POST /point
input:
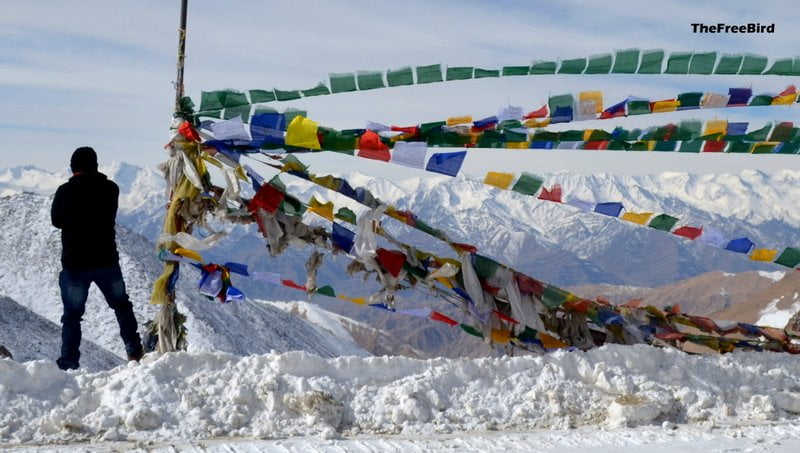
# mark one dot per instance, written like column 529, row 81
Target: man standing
column 85, row 209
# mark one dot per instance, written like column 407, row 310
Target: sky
column 101, row 73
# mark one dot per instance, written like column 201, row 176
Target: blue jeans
column 74, row 291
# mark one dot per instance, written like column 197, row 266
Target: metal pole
column 181, row 54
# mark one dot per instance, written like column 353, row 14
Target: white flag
column 410, row 154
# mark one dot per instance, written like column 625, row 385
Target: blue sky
column 100, row 73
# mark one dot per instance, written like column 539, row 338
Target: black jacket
column 85, row 209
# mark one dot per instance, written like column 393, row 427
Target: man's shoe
column 66, row 364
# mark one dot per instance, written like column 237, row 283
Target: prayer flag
column 302, row 132
column 322, row 209
column 789, row 258
column 452, row 121
column 665, row 106
column 688, row 232
column 232, row 129
column 615, row 111
column 391, row 260
column 269, row 277
column 640, row 218
column 713, row 237
column 739, row 96
column 267, row 198
column 410, row 154
column 663, row 222
column 436, row 316
column 370, row 146
column 499, row 180
column 290, row 284
column 610, row 209
column 509, row 113
column 740, row 245
column 400, row 77
column 446, row 163
column 342, row 237
column 541, row 113
column 714, row 100
column 767, row 255
column 355, row 300
column 528, row 184
column 554, row 194
column 342, row 83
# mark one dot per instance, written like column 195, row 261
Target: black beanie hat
column 83, row 159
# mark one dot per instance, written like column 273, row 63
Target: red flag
column 688, row 232
column 596, row 144
column 391, row 260
column 541, row 113
column 188, row 131
column 791, row 89
column 528, row 285
column 370, row 146
column 294, row 285
column 436, row 316
column 505, row 318
column 268, row 198
column 554, row 194
column 465, row 247
column 714, row 146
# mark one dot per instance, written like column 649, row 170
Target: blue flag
column 741, row 245
column 343, row 238
column 446, row 163
column 611, row 209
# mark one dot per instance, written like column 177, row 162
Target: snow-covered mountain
column 29, row 336
column 29, row 265
column 553, row 242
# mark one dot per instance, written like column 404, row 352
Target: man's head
column 84, row 159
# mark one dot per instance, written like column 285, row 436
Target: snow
column 197, row 396
column 775, row 276
column 773, row 316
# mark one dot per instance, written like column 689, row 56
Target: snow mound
column 204, row 395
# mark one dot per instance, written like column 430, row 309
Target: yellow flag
column 302, row 132
column 501, row 336
column 763, row 147
column 517, row 145
column 444, row 282
column 666, row 106
column 321, row 209
column 533, row 122
column 764, row 255
column 550, row 342
column 787, row 99
column 241, row 174
column 500, row 180
column 355, row 300
column 716, row 127
column 459, row 120
column 186, row 253
column 651, row 145
column 211, row 160
column 593, row 96
column 635, row 217
column 587, row 134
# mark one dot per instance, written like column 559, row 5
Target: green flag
column 789, row 258
column 626, row 61
column 400, row 77
column 729, row 64
column 652, row 61
column 342, row 83
column 369, row 80
column 663, row 222
column 528, row 184
column 429, row 74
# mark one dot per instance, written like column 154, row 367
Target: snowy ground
column 612, row 397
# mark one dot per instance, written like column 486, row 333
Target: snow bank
column 200, row 396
